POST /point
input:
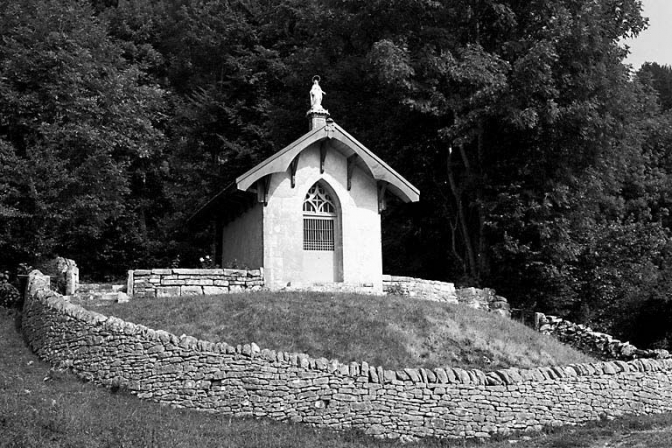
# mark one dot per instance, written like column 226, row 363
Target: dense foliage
column 543, row 161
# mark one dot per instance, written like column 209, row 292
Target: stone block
column 198, row 282
column 215, row 290
column 145, row 294
column 71, row 274
column 129, row 283
column 252, row 283
column 186, row 271
column 492, row 379
column 109, row 296
column 167, row 291
column 191, row 290
column 413, row 374
column 402, row 375
column 373, row 375
column 199, row 272
column 161, row 271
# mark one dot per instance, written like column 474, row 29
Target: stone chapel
column 310, row 213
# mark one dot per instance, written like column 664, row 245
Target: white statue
column 316, row 95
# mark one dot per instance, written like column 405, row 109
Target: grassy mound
column 390, row 331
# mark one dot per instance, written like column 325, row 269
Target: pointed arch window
column 318, row 201
column 319, row 219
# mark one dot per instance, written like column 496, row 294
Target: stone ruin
column 64, row 274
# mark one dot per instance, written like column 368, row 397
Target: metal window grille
column 318, row 234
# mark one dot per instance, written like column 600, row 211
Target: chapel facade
column 310, row 213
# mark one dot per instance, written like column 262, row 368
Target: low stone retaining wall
column 484, row 299
column 150, row 283
column 246, row 380
column 599, row 345
column 414, row 287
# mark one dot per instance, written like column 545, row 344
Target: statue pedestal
column 317, row 118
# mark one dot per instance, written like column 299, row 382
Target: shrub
column 9, row 295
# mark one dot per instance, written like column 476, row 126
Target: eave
column 343, row 142
column 225, row 205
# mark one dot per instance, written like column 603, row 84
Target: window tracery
column 318, row 201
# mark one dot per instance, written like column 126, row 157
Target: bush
column 9, row 295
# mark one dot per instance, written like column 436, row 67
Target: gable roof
column 237, row 196
column 340, row 140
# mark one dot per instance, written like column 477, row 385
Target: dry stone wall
column 151, row 283
column 245, row 380
column 484, row 299
column 595, row 343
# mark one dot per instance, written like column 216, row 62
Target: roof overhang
column 225, row 205
column 344, row 142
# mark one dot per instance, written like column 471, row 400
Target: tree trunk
column 470, row 267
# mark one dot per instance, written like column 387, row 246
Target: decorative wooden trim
column 279, row 162
column 382, row 204
column 263, row 186
column 329, row 128
column 292, row 169
column 352, row 160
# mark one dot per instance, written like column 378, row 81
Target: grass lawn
column 390, row 331
column 43, row 407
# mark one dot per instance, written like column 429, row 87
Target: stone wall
column 484, row 299
column 151, row 283
column 63, row 272
column 599, row 345
column 245, row 380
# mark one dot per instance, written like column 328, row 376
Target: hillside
column 390, row 331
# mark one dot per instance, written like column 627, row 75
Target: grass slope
column 44, row 407
column 391, row 331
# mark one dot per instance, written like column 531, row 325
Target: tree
column 660, row 78
column 77, row 124
column 511, row 95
